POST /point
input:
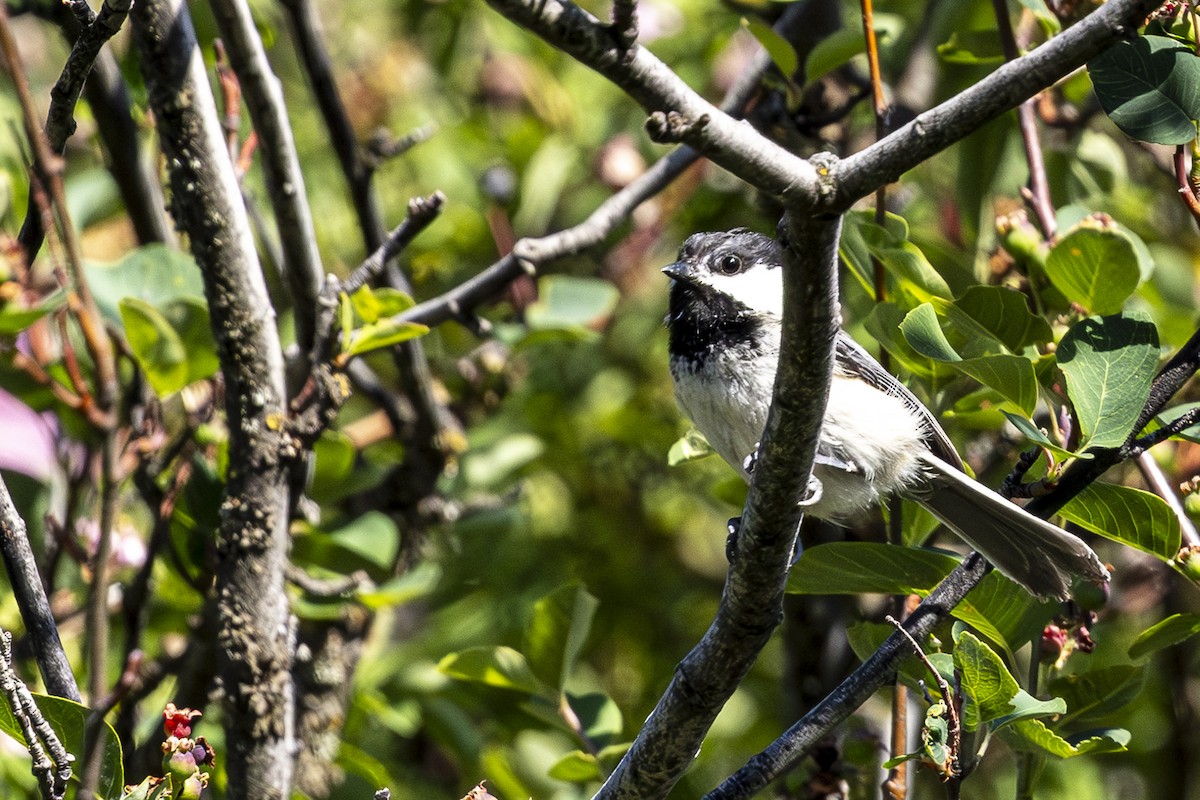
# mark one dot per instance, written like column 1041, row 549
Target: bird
column 877, row 439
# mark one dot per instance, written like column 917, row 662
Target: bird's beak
column 679, row 271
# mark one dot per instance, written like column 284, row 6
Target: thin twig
column 96, row 29
column 947, row 696
column 1154, row 476
column 281, row 165
column 1038, row 191
column 32, row 602
column 52, row 777
column 1187, row 192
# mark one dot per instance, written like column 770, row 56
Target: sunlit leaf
column 691, row 446
column 557, row 631
column 500, row 667
column 1095, row 265
column 1165, row 633
column 1130, row 516
column 70, row 721
column 1109, row 363
column 567, row 301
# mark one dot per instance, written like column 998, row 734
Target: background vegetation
column 519, row 619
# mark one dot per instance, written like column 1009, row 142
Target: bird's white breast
column 728, row 396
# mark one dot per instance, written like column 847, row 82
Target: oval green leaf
column 1109, row 363
column 1096, row 266
column 557, row 631
column 156, row 346
column 499, row 667
column 1130, row 516
column 1150, row 88
column 1170, row 631
column 69, row 721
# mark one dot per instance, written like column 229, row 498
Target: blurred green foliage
column 543, row 619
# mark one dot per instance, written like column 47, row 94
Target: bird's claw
column 813, row 493
column 751, row 461
column 734, row 526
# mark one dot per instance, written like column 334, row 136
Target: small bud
column 1187, row 561
column 1053, row 640
column 177, row 722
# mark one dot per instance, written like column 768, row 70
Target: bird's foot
column 812, row 495
column 734, row 526
column 751, row 461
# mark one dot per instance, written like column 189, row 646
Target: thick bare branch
column 255, row 637
column 773, row 170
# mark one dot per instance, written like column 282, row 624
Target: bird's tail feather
column 1041, row 557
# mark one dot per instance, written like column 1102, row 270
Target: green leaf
column 1034, row 735
column 839, row 47
column 1004, row 612
column 1011, row 376
column 1170, row 631
column 557, row 631
column 154, row 273
column 499, row 667
column 1095, row 265
column 923, row 332
column 372, row 539
column 372, row 304
column 1038, row 437
column 1150, row 88
column 485, row 467
column 1097, row 692
column 568, row 301
column 576, row 767
column 998, row 608
column 778, row 48
column 972, row 47
column 990, row 687
column 1026, row 706
column 1109, row 363
column 865, row 567
column 691, row 446
column 1130, row 516
column 188, row 316
column 832, row 52
column 1003, row 313
column 69, row 721
column 412, row 585
column 13, row 320
column 157, row 348
column 905, row 261
column 883, row 323
column 599, row 717
column 376, row 335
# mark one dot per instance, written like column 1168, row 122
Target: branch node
column 672, row 127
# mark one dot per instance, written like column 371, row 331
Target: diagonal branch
column 739, row 149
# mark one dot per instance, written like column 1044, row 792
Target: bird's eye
column 729, row 265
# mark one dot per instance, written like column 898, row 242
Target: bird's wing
column 853, row 360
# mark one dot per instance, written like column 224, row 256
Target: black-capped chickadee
column 725, row 316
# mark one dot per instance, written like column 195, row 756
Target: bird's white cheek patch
column 759, row 288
